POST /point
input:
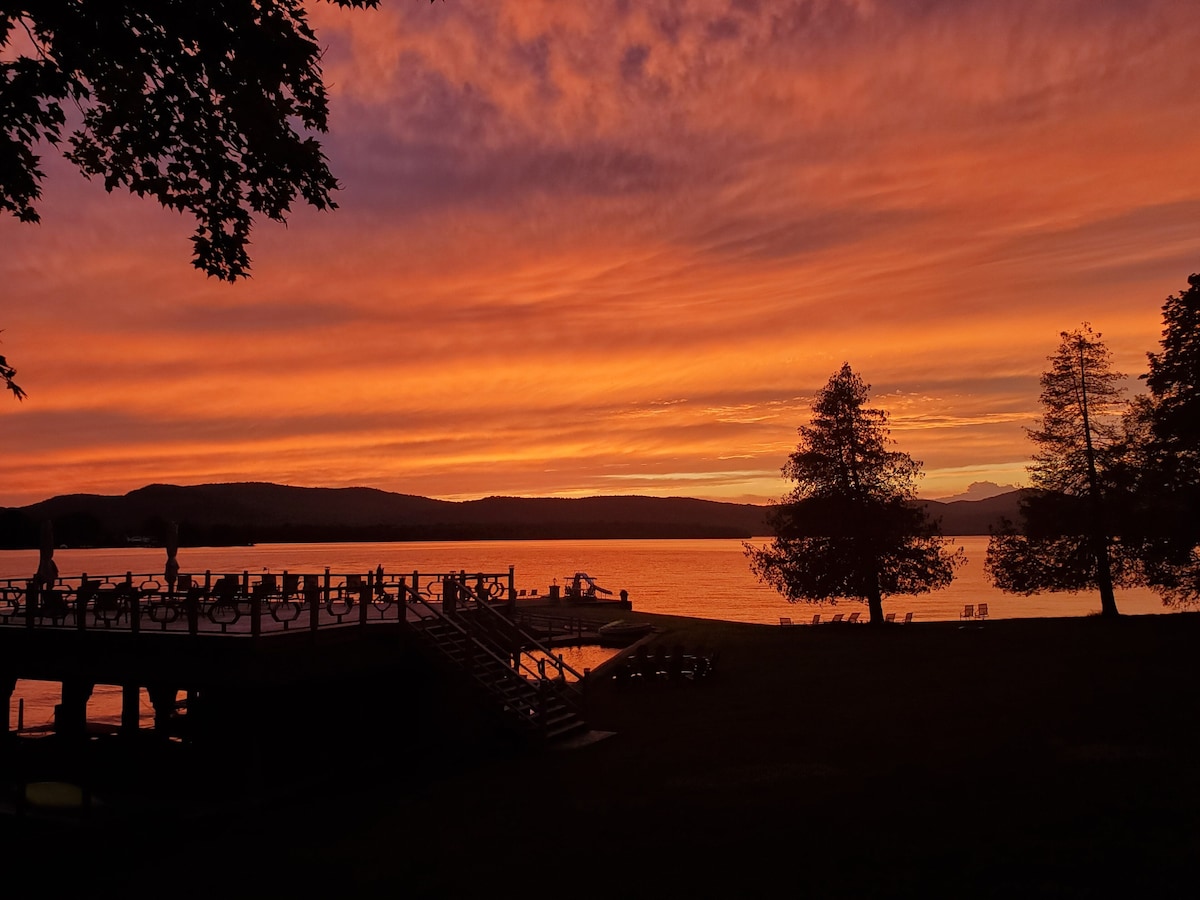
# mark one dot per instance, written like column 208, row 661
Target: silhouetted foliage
column 850, row 529
column 1068, row 521
column 82, row 530
column 7, row 374
column 1174, row 382
column 202, row 106
column 17, row 530
column 1166, row 472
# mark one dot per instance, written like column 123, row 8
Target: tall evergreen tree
column 1066, row 542
column 1169, row 482
column 850, row 528
column 1174, row 382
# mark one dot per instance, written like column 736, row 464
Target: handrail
column 570, row 625
column 467, row 634
column 527, row 640
column 457, row 625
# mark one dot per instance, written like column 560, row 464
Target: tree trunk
column 1108, row 601
column 875, row 605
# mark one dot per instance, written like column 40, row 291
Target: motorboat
column 622, row 632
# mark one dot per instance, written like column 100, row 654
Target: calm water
column 707, row 579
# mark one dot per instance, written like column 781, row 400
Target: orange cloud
column 616, row 248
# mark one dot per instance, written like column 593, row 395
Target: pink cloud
column 556, row 216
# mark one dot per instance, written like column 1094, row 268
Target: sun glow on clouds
column 614, row 247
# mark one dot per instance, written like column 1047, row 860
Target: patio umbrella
column 172, row 544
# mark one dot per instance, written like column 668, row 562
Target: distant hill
column 960, row 517
column 255, row 512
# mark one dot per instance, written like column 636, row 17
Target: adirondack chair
column 968, row 612
column 837, row 617
column 853, row 618
column 785, row 621
column 890, row 618
column 291, row 585
column 981, row 611
column 816, row 619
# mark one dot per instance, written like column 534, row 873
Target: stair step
column 559, row 733
column 539, row 712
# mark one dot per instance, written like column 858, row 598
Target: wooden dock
column 264, row 653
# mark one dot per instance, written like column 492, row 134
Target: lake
column 708, row 579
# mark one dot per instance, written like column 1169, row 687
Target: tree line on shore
column 1115, row 484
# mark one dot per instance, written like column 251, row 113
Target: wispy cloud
column 615, row 246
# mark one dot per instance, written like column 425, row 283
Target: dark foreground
column 1032, row 758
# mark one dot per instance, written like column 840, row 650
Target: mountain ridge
column 265, row 512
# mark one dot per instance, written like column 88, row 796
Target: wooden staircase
column 533, row 700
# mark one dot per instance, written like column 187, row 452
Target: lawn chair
column 785, row 621
column 837, row 618
column 643, row 665
column 968, row 612
column 267, row 587
column 853, row 620
column 816, row 619
column 110, row 604
column 85, row 594
column 982, row 611
column 890, row 618
column 907, row 618
column 291, row 585
column 53, row 606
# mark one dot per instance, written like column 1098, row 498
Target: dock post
column 364, row 599
column 163, row 699
column 8, row 684
column 81, row 604
column 70, row 715
column 135, row 604
column 191, row 603
column 130, row 709
column 512, row 592
column 323, row 597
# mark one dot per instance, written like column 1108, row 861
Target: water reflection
column 581, row 659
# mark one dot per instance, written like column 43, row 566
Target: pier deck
column 260, row 641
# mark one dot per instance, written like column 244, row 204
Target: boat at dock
column 622, row 632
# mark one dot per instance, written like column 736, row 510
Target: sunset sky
column 615, row 247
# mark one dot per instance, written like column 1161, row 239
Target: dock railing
column 244, row 604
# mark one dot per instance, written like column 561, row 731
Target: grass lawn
column 1017, row 758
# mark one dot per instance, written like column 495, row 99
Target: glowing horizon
column 614, row 248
